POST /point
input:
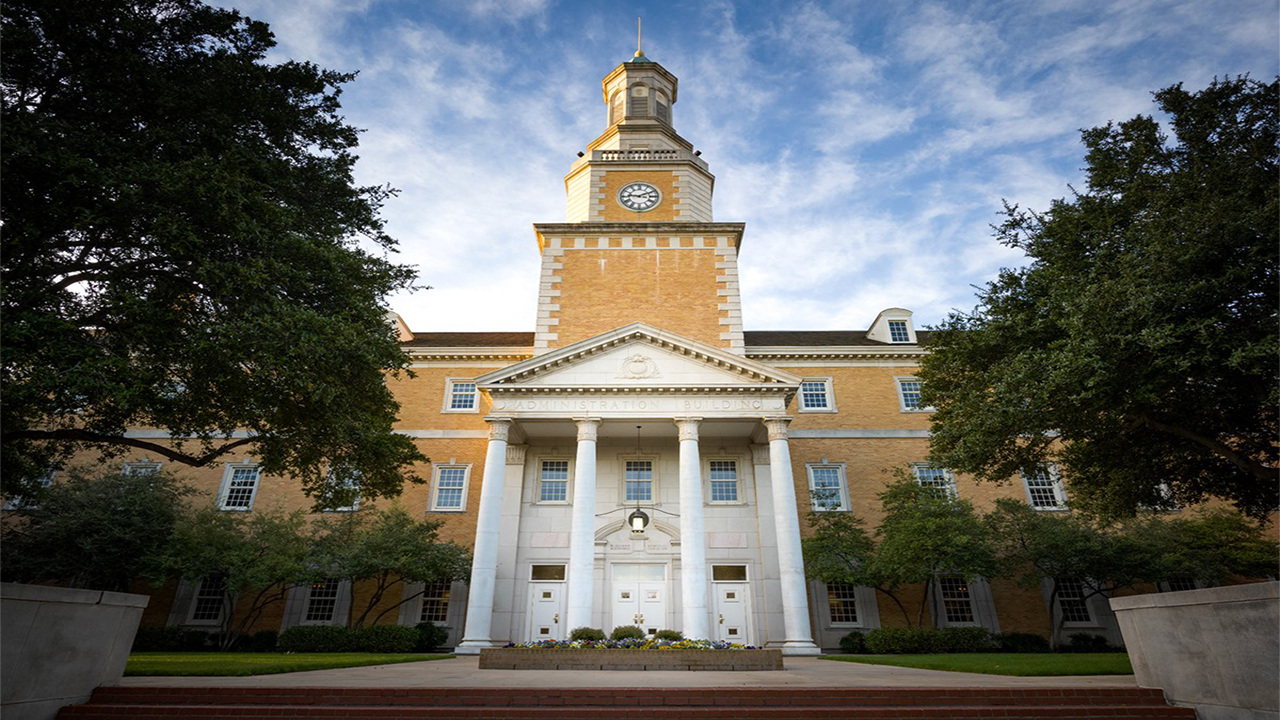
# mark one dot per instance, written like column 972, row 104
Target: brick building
column 639, row 458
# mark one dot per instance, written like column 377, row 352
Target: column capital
column 688, row 427
column 777, row 427
column 499, row 427
column 588, row 429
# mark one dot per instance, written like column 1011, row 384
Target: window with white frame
column 957, row 601
column 826, row 486
column 898, row 331
column 637, row 480
column 144, row 467
column 239, row 486
column 435, row 602
column 346, row 489
column 816, row 396
column 842, row 603
column 1177, row 583
column 322, row 601
column 450, row 493
column 1072, row 604
column 909, row 395
column 939, row 480
column 723, row 476
column 553, row 481
column 17, row 501
column 1044, row 488
column 461, row 395
column 206, row 606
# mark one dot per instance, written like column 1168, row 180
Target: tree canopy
column 185, row 249
column 1138, row 348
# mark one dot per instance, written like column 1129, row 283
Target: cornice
column 808, row 352
column 745, row 388
column 507, row 354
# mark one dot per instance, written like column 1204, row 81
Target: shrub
column 623, row 632
column 384, row 639
column 854, row 642
column 1018, row 642
column 261, row 641
column 316, row 638
column 896, row 641
column 430, row 637
column 586, row 633
column 1086, row 643
column 962, row 640
column 165, row 639
column 672, row 635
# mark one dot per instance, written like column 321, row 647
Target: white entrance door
column 546, row 608
column 731, row 612
column 640, row 597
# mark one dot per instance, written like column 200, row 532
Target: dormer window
column 893, row 326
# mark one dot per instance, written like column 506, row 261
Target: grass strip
column 1016, row 664
column 246, row 663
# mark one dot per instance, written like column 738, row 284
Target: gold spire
column 639, row 52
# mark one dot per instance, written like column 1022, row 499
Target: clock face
column 639, row 196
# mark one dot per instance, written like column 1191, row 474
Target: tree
column 386, row 550
column 1214, row 546
column 1036, row 546
column 1138, row 349
column 185, row 249
column 257, row 558
column 926, row 533
column 840, row 550
column 96, row 531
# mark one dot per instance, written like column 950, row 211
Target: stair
column 740, row 703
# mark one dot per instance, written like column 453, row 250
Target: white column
column 795, row 603
column 582, row 530
column 693, row 538
column 484, row 562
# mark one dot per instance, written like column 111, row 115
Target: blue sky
column 866, row 145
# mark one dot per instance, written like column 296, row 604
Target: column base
column 800, row 647
column 473, row 647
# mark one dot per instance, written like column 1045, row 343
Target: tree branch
column 1240, row 460
column 81, row 435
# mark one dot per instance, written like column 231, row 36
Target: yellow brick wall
column 421, row 398
column 866, row 397
column 673, row 289
column 663, row 180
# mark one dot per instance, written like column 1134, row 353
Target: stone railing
column 640, row 155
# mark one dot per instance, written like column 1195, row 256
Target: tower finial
column 639, row 52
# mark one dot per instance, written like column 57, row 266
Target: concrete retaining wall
column 536, row 659
column 1217, row 649
column 59, row 644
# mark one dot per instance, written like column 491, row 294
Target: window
column 17, row 501
column 460, row 396
column 898, row 331
column 435, row 602
column 1071, row 601
column 145, row 467
column 239, row 485
column 322, row 601
column 637, row 481
column 206, row 608
column 728, row 573
column 938, row 479
column 909, row 395
column 957, row 603
column 546, row 572
column 346, row 490
column 724, row 481
column 1044, row 488
column 554, row 485
column 842, row 603
column 451, row 488
column 815, row 395
column 1180, row 582
column 826, row 486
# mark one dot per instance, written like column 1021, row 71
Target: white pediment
column 637, row 357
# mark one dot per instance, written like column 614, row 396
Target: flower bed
column 629, row 655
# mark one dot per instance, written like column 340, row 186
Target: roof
column 752, row 338
column 814, row 338
column 470, row 339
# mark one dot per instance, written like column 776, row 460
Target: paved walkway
column 465, row 672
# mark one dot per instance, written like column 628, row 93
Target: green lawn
column 244, row 663
column 1020, row 664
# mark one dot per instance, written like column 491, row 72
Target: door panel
column 732, row 613
column 546, row 607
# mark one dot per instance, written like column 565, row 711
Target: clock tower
column 639, row 243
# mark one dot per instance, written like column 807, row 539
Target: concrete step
column 627, row 703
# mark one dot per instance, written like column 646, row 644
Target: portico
column 638, row 418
